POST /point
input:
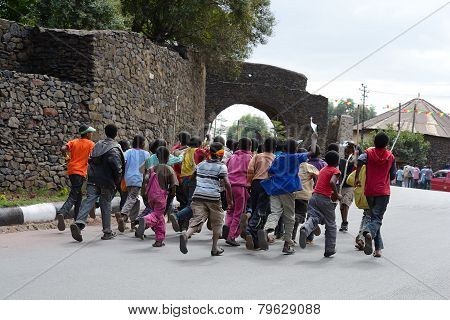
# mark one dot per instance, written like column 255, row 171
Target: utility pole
column 414, row 117
column 399, row 115
column 357, row 124
column 364, row 91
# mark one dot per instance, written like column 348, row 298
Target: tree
column 279, row 128
column 80, row 14
column 249, row 126
column 348, row 107
column 223, row 31
column 16, row 10
column 411, row 148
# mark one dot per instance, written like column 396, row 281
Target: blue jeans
column 105, row 196
column 377, row 207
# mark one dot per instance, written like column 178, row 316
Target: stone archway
column 280, row 93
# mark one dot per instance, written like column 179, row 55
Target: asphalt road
column 415, row 265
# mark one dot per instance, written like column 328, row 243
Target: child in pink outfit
column 162, row 183
column 237, row 173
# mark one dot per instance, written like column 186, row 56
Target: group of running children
column 239, row 189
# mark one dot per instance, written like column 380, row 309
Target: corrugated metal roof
column 431, row 124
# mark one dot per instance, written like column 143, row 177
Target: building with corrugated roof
column 418, row 115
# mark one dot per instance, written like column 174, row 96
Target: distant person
column 206, row 204
column 333, row 147
column 316, row 161
column 77, row 152
column 380, row 170
column 399, row 177
column 229, row 149
column 134, row 159
column 106, row 167
column 346, row 167
column 125, row 145
column 407, row 176
column 427, row 177
column 159, row 188
column 237, row 168
column 415, row 176
column 153, row 159
column 321, row 206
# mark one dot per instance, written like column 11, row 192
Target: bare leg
column 344, row 212
column 215, row 238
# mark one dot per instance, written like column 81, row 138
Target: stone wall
column 439, row 155
column 59, row 79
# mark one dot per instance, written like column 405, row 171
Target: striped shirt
column 209, row 174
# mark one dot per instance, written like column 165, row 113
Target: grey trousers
column 92, row 193
column 282, row 206
column 321, row 211
column 132, row 198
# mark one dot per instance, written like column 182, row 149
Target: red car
column 441, row 181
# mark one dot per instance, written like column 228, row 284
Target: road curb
column 42, row 212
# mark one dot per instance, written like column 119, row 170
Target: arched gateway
column 280, row 93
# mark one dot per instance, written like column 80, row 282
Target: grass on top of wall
column 24, row 197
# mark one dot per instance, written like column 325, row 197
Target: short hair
column 291, row 146
column 219, row 139
column 111, row 131
column 162, row 153
column 245, row 144
column 301, row 150
column 214, row 147
column 280, row 145
column 124, row 144
column 230, row 144
column 332, row 158
column 138, row 142
column 156, row 144
column 270, row 144
column 184, row 137
column 195, row 142
column 381, row 140
column 317, row 153
column 333, row 147
column 255, row 144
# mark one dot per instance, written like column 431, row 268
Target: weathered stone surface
column 13, row 122
column 50, row 112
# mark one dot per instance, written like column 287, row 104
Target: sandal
column 377, row 254
column 217, row 253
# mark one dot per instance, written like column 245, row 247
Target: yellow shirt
column 188, row 164
column 306, row 173
column 360, row 198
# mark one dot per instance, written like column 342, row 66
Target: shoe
column 61, row 222
column 76, row 232
column 140, row 229
column 183, row 243
column 175, row 225
column 328, row 254
column 243, row 224
column 262, row 240
column 359, row 244
column 225, row 232
column 232, row 243
column 309, row 242
column 249, row 242
column 271, row 238
column 158, row 244
column 377, row 253
column 317, row 231
column 344, row 227
column 302, row 238
column 288, row 248
column 368, row 245
column 120, row 222
column 217, row 253
column 108, row 236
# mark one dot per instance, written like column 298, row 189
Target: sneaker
column 175, row 225
column 140, row 229
column 243, row 224
column 232, row 243
column 288, row 248
column 76, row 232
column 217, row 253
column 262, row 239
column 249, row 244
column 183, row 243
column 108, row 236
column 344, row 227
column 317, row 231
column 120, row 222
column 158, row 244
column 368, row 245
column 328, row 254
column 61, row 222
column 225, row 232
column 302, row 238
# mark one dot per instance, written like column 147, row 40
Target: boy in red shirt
column 321, row 206
column 380, row 170
column 78, row 152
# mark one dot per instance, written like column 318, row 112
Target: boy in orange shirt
column 78, row 152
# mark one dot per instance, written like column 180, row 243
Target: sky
column 322, row 38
